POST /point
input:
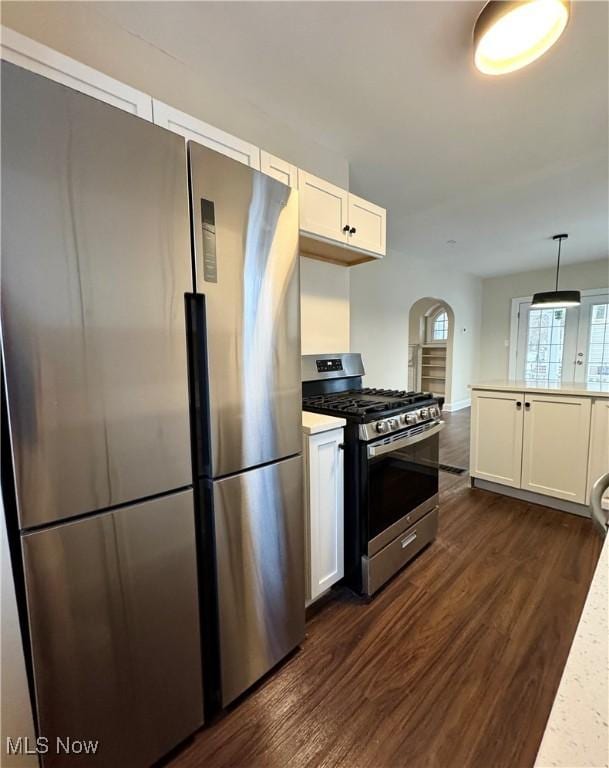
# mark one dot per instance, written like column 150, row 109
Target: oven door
column 402, row 482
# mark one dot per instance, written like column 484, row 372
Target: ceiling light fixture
column 509, row 34
column 556, row 298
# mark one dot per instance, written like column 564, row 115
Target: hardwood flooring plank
column 454, row 664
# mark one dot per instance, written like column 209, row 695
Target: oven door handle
column 380, row 448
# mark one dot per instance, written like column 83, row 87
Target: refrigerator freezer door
column 158, row 566
column 112, row 603
column 84, row 688
column 246, row 257
column 95, row 263
column 259, row 529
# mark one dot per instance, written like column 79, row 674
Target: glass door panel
column 591, row 364
column 546, row 344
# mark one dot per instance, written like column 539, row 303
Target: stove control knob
column 411, row 418
column 423, row 414
column 382, row 426
column 393, row 423
column 434, row 411
column 404, row 419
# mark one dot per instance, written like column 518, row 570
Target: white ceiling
column 497, row 164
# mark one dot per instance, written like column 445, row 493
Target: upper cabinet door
column 497, row 460
column 367, row 225
column 323, row 207
column 279, row 169
column 205, row 134
column 29, row 54
column 555, row 445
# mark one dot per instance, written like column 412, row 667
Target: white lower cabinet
column 324, row 510
column 555, row 446
column 537, row 442
column 496, row 436
column 599, row 447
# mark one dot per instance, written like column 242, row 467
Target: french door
column 564, row 344
column 592, row 355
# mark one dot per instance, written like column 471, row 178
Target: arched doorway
column 431, row 325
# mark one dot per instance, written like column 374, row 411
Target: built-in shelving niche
column 433, row 368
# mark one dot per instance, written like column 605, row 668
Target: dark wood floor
column 455, row 664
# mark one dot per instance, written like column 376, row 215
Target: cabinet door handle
column 527, row 405
column 518, row 404
column 352, row 231
column 346, row 228
column 341, row 446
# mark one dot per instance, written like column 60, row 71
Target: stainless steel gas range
column 391, row 466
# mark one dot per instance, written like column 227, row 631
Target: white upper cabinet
column 367, row 225
column 496, row 437
column 323, row 207
column 336, row 225
column 555, row 445
column 279, row 169
column 29, row 54
column 205, row 134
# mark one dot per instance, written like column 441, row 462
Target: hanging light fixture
column 509, row 34
column 556, row 298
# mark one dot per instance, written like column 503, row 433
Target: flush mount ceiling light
column 509, row 34
column 556, row 298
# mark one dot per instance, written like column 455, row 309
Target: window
column 561, row 344
column 597, row 363
column 545, row 343
column 439, row 327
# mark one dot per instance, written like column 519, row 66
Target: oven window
column 399, row 481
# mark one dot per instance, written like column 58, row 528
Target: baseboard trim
column 458, row 405
column 534, row 498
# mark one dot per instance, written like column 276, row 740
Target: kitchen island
column 540, row 442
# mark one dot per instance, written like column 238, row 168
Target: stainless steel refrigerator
column 245, row 327
column 96, row 262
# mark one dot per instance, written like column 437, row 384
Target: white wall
column 381, row 296
column 497, row 295
column 324, row 307
column 86, row 32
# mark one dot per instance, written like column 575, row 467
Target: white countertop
column 312, row 423
column 564, row 388
column 577, row 732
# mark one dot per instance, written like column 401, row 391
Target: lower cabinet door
column 555, row 446
column 496, row 436
column 113, row 611
column 324, row 502
column 259, row 543
column 599, row 447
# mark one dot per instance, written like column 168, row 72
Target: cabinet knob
column 527, row 405
column 518, row 404
column 341, row 446
column 346, row 228
column 352, row 231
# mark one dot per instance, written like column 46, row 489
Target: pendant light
column 556, row 298
column 509, row 34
